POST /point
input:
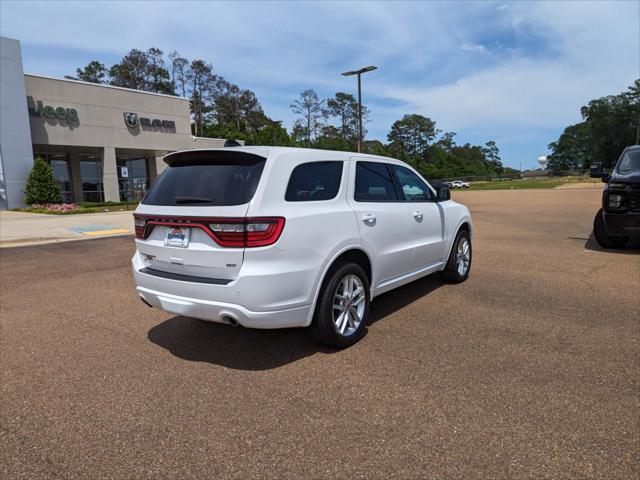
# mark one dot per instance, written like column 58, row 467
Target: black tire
column 323, row 327
column 450, row 273
column 601, row 236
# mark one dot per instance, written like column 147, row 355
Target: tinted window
column 413, row 188
column 206, row 183
column 630, row 162
column 374, row 183
column 315, row 181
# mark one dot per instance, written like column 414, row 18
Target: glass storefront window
column 60, row 165
column 91, row 178
column 133, row 177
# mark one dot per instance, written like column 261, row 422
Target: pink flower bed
column 56, row 207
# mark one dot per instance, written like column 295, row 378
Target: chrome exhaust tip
column 230, row 320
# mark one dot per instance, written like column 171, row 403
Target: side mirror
column 596, row 171
column 443, row 193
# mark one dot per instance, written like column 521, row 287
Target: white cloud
column 474, row 48
column 503, row 69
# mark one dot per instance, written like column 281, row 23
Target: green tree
column 609, row 125
column 312, row 111
column 375, row 147
column 158, row 79
column 179, row 72
column 41, row 186
column 94, row 72
column 331, row 138
column 571, row 150
column 132, row 71
column 299, row 133
column 410, row 136
column 201, row 84
column 344, row 107
column 492, row 155
column 447, row 141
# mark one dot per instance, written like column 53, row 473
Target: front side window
column 630, row 162
column 413, row 188
column 374, row 183
column 315, row 181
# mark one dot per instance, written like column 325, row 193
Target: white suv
column 271, row 237
column 458, row 184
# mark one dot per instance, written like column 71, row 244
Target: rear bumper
column 622, row 224
column 223, row 312
column 258, row 298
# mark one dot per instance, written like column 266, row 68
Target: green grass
column 528, row 183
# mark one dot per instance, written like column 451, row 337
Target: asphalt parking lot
column 530, row 369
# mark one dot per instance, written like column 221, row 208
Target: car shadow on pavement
column 632, row 247
column 390, row 302
column 247, row 349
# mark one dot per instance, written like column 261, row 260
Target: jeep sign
column 39, row 109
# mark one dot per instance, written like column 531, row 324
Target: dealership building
column 103, row 143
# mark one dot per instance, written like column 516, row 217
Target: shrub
column 42, row 186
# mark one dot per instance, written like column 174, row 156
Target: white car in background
column 270, row 237
column 458, row 184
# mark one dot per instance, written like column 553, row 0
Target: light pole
column 359, row 73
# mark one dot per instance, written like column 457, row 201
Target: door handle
column 369, row 218
column 417, row 215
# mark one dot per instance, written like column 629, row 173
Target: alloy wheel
column 463, row 256
column 349, row 303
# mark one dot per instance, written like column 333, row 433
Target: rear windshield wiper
column 192, row 200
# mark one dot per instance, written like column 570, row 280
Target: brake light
column 247, row 232
column 139, row 224
column 227, row 232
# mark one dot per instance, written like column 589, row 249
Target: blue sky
column 513, row 72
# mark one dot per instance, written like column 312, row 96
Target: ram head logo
column 131, row 119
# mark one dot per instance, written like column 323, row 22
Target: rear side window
column 223, row 182
column 374, row 183
column 314, row 181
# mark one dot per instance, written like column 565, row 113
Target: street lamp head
column 358, row 72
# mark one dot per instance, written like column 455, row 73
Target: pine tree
column 42, row 186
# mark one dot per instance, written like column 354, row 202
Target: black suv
column 619, row 217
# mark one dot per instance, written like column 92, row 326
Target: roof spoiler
column 210, row 156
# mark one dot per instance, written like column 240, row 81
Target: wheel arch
column 463, row 224
column 355, row 254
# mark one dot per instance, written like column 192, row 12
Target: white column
column 160, row 165
column 110, row 175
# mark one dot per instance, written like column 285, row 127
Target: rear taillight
column 139, row 224
column 247, row 232
column 226, row 232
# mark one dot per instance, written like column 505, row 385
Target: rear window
column 223, row 182
column 314, row 181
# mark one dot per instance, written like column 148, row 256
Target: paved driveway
column 528, row 370
column 21, row 228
